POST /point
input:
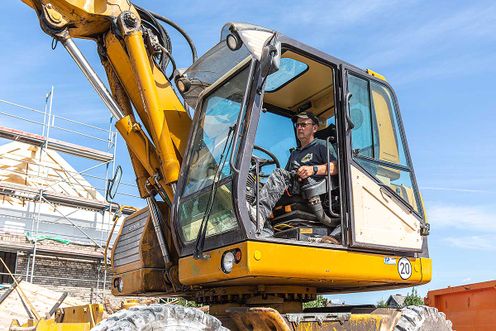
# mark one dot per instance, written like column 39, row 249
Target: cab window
column 275, row 133
column 360, row 113
column 210, row 153
column 376, row 140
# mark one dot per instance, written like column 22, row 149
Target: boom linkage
column 135, row 81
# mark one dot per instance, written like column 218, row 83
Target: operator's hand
column 304, row 172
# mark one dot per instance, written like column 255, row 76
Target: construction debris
column 42, row 299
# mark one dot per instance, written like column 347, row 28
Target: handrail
column 329, row 190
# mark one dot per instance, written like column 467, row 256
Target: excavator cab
column 203, row 244
column 243, row 130
column 245, row 92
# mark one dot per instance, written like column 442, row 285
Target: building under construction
column 54, row 219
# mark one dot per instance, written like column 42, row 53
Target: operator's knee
column 282, row 175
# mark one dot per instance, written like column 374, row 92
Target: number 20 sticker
column 404, row 268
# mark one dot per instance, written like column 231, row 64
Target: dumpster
column 469, row 307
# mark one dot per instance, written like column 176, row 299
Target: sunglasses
column 303, row 124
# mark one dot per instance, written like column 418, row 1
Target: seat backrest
column 328, row 132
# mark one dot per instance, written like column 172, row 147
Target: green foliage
column 381, row 303
column 413, row 299
column 317, row 303
column 186, row 303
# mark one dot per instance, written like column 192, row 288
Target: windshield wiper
column 202, row 232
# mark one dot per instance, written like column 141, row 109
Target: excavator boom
column 136, row 82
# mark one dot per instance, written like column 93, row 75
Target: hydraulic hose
column 181, row 31
column 175, row 26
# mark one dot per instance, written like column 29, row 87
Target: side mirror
column 270, row 59
column 114, row 184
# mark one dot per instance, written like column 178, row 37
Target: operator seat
column 328, row 133
column 296, row 207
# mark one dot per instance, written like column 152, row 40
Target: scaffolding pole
column 46, row 131
column 45, row 196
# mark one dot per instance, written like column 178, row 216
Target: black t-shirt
column 314, row 153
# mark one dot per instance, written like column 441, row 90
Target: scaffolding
column 46, row 177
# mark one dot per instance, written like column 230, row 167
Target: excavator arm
column 149, row 115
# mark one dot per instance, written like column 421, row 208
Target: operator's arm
column 322, row 168
column 307, row 171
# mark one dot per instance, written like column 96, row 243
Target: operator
column 308, row 160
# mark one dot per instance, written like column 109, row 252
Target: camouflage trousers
column 278, row 182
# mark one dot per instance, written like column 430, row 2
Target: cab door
column 385, row 210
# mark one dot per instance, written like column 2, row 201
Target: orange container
column 469, row 307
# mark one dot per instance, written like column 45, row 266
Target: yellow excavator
column 200, row 174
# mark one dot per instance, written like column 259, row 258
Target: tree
column 317, row 303
column 186, row 303
column 413, row 299
column 381, row 303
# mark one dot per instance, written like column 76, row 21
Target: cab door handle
column 351, row 125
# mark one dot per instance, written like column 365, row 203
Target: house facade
column 53, row 223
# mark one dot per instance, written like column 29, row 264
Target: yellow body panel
column 51, row 325
column 268, row 319
column 155, row 101
column 138, row 143
column 178, row 119
column 326, row 268
column 141, row 148
column 376, row 74
column 86, row 18
column 160, row 133
column 76, row 318
column 357, row 322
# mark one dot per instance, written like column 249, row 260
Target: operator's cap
column 305, row 115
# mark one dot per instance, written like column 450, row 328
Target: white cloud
column 445, row 67
column 439, row 32
column 470, row 227
column 484, row 243
column 336, row 14
column 469, row 218
column 435, row 45
column 455, row 189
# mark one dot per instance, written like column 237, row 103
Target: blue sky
column 439, row 56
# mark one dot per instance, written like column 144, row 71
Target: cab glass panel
column 376, row 141
column 210, row 154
